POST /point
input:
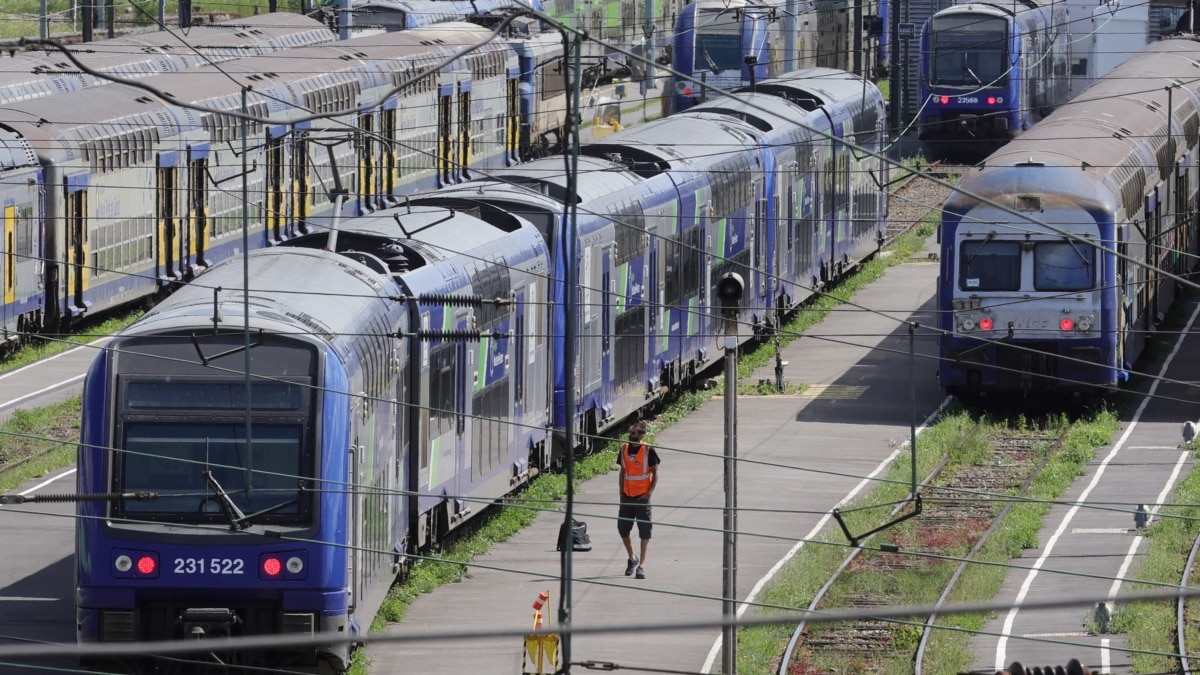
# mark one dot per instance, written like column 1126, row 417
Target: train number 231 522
column 209, row 566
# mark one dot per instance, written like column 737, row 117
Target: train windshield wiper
column 1082, row 257
column 991, row 235
column 237, row 519
column 971, row 72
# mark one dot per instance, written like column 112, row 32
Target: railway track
column 913, row 198
column 957, row 521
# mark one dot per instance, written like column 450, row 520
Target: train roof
column 15, row 152
column 323, row 292
column 821, row 85
column 597, row 176
column 36, row 74
column 674, row 143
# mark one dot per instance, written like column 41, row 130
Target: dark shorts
column 634, row 509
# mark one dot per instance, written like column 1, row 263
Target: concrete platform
column 853, row 417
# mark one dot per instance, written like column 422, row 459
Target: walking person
column 639, row 477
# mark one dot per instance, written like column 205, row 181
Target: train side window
column 441, row 390
column 630, row 340
column 690, row 263
column 671, row 272
column 989, row 266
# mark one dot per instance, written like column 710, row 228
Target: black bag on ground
column 580, row 541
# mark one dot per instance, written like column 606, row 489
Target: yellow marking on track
column 843, row 392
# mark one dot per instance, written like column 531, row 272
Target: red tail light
column 272, row 567
column 945, row 100
column 986, row 323
column 1066, row 323
column 991, row 100
column 146, row 565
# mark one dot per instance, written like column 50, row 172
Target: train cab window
column 1063, row 266
column 170, row 458
column 718, row 41
column 969, row 51
column 989, row 266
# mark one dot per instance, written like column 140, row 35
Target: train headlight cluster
column 1085, row 324
column 135, row 564
column 969, row 323
column 283, row 565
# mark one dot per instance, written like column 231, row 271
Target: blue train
column 990, row 70
column 84, row 234
column 1044, row 304
column 407, row 365
column 734, row 44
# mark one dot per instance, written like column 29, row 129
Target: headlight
column 1085, row 324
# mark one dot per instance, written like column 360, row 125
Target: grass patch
column 43, row 439
column 950, row 650
column 58, row 344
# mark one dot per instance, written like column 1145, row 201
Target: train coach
column 84, row 235
column 990, row 70
column 407, row 365
column 1062, row 300
column 33, row 74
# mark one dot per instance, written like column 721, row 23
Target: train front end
column 717, row 45
column 970, row 77
column 1028, row 306
column 229, row 546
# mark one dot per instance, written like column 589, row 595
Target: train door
column 762, row 261
column 197, row 205
column 77, row 246
column 512, row 120
column 445, row 137
column 607, row 291
column 301, row 186
column 590, row 279
column 170, row 244
column 8, row 262
column 464, row 131
column 389, row 171
column 357, row 511
column 276, row 203
column 366, row 163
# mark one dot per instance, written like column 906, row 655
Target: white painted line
column 1101, row 530
column 1056, row 635
column 1105, row 660
column 39, row 392
column 21, row 598
column 46, row 482
column 716, row 648
column 1162, row 498
column 1153, row 447
column 1011, row 618
column 93, row 343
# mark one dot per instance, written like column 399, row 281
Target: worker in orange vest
column 639, row 477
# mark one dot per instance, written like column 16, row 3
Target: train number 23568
column 209, row 566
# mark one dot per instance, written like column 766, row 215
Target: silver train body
column 1064, row 300
column 85, row 234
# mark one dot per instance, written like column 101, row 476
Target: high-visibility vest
column 637, row 471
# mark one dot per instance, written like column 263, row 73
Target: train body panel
column 1109, row 179
column 22, row 240
column 989, row 72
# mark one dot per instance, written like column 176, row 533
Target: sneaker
column 631, row 565
column 641, row 574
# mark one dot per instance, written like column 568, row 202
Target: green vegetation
column 41, row 440
column 807, row 572
column 49, row 346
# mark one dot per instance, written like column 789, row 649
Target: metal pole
column 110, row 19
column 791, row 56
column 894, row 68
column 912, row 398
column 88, row 12
column 573, row 49
column 44, row 23
column 162, row 14
column 272, row 6
column 344, row 19
column 858, row 38
column 185, row 13
column 246, row 281
column 729, row 554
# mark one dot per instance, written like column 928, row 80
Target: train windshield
column 1063, row 266
column 989, row 266
column 172, row 458
column 968, row 51
column 718, row 42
